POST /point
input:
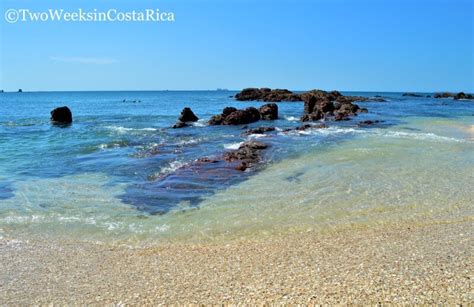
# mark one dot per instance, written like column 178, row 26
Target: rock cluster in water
column 62, row 115
column 457, row 96
column 266, row 94
column 329, row 105
column 277, row 95
column 233, row 116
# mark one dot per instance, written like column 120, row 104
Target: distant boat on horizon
column 222, row 89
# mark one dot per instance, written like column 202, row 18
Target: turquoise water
column 114, row 174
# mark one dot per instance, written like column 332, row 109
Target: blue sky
column 377, row 45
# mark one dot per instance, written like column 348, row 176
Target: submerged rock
column 179, row 124
column 366, row 123
column 411, row 95
column 61, row 115
column 306, row 127
column 247, row 154
column 259, row 130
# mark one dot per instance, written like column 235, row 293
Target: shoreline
column 396, row 264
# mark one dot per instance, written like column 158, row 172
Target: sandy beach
column 399, row 264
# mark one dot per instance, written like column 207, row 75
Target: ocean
column 113, row 175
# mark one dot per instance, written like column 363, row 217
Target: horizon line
column 226, row 90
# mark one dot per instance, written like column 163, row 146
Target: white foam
column 162, row 228
column 233, row 146
column 257, row 135
column 171, row 167
column 188, row 142
column 199, row 123
column 420, row 136
column 375, row 131
column 121, row 129
column 291, row 118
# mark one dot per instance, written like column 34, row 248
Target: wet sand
column 396, row 264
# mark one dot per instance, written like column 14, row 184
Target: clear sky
column 378, row 45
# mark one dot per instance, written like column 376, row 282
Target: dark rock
column 228, row 110
column 368, row 122
column 320, row 104
column 216, row 120
column 457, row 96
column 242, row 166
column 20, row 90
column 308, row 126
column 309, row 104
column 411, row 95
column 240, row 117
column 180, row 124
column 462, row 95
column 341, row 116
column 187, row 115
column 348, row 108
column 316, row 115
column 269, row 111
column 266, row 94
column 232, row 116
column 280, row 95
column 325, row 106
column 363, row 110
column 207, row 160
column 249, row 94
column 61, row 115
column 443, row 95
column 259, row 130
column 247, row 154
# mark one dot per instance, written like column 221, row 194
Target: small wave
column 200, row 123
column 233, row 146
column 121, row 129
column 170, row 168
column 325, row 131
column 188, row 142
column 257, row 136
column 173, row 166
column 291, row 118
column 377, row 132
column 420, row 136
column 113, row 145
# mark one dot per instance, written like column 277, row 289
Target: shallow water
column 109, row 176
